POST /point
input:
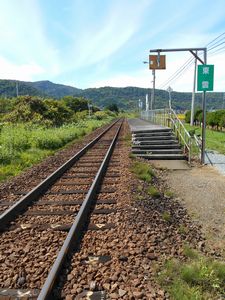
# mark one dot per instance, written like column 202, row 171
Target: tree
column 57, row 112
column 75, row 104
column 188, row 116
column 113, row 107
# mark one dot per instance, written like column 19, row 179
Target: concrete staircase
column 156, row 144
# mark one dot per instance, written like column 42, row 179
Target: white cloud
column 21, row 72
column 119, row 24
column 22, row 36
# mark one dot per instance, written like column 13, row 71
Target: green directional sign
column 205, row 77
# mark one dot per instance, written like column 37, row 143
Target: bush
column 100, row 115
column 216, row 119
column 188, row 116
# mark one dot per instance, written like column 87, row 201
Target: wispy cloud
column 22, row 36
column 117, row 25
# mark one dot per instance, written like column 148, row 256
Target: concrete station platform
column 142, row 125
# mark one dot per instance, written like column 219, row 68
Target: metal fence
column 167, row 117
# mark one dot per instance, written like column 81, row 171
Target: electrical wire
column 215, row 43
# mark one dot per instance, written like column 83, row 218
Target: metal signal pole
column 153, row 91
column 204, row 61
column 193, row 94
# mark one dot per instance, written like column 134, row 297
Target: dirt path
column 202, row 192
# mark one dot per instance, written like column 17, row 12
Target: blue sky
column 92, row 43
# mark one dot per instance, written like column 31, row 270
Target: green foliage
column 153, row 192
column 143, row 171
column 100, row 115
column 189, row 252
column 75, row 104
column 216, row 119
column 213, row 119
column 22, row 145
column 198, row 278
column 113, row 107
column 168, row 194
column 57, row 112
column 183, row 229
column 47, row 112
column 166, row 216
column 198, row 115
column 215, row 140
column 188, row 116
column 6, row 105
column 14, row 140
column 124, row 98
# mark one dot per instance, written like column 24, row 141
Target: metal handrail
column 168, row 117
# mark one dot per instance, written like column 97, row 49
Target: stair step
column 151, row 134
column 153, row 130
column 157, row 142
column 155, row 138
column 163, row 157
column 158, row 151
column 152, row 147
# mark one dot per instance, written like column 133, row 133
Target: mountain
column 8, row 88
column 55, row 90
column 126, row 98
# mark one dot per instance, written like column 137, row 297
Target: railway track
column 39, row 230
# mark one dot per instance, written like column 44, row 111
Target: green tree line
column 214, row 119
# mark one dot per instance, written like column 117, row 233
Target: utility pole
column 89, row 109
column 169, row 90
column 203, row 116
column 146, row 103
column 153, row 90
column 193, row 93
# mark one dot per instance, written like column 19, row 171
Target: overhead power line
column 214, row 44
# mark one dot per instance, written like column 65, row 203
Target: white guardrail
column 167, row 117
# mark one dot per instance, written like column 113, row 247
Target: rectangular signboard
column 157, row 62
column 205, row 78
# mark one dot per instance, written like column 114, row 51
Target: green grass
column 169, row 194
column 199, row 278
column 23, row 145
column 153, row 192
column 183, row 229
column 215, row 140
column 166, row 216
column 143, row 171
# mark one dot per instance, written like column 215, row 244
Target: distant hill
column 125, row 98
column 54, row 90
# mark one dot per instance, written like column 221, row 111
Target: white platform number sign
column 205, row 77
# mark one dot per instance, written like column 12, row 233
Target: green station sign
column 205, row 78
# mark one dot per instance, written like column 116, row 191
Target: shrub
column 100, row 115
column 188, row 116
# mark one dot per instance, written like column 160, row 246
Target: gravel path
column 202, row 192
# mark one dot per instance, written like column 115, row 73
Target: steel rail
column 73, row 237
column 33, row 195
